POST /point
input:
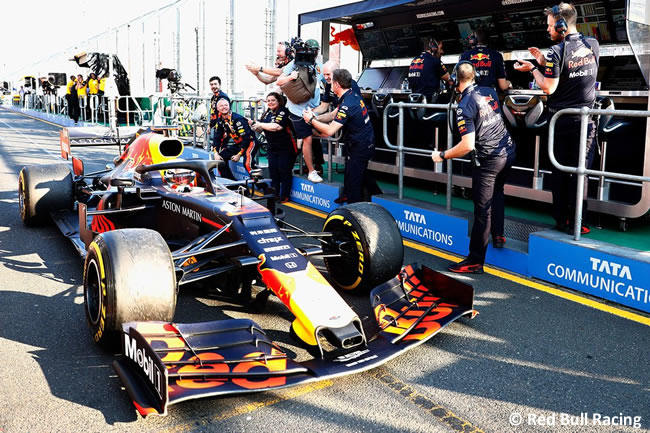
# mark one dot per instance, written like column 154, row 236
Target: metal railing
column 581, row 170
column 401, row 149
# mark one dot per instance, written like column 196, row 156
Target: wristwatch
column 261, row 68
column 442, row 154
column 533, row 70
column 311, row 119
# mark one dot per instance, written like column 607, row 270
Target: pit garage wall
column 617, row 274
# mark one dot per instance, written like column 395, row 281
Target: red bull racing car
column 159, row 219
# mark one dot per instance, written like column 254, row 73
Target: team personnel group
column 298, row 110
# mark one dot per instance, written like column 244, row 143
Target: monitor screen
column 373, row 78
column 372, row 44
column 396, row 77
column 403, row 42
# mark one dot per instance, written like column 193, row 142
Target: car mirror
column 110, row 166
column 77, row 166
column 122, row 182
column 257, row 174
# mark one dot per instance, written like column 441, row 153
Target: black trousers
column 281, row 171
column 246, row 158
column 358, row 178
column 487, row 192
column 567, row 137
column 73, row 108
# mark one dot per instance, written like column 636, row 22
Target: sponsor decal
column 582, row 62
column 179, row 209
column 278, row 248
column 320, row 196
column 514, row 2
column 263, row 232
column 429, row 227
column 283, row 257
column 479, row 56
column 273, row 240
column 146, row 362
column 430, row 14
column 619, row 279
column 580, row 74
column 581, row 52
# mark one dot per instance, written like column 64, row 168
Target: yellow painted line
column 280, row 396
column 629, row 315
column 35, row 118
column 441, row 413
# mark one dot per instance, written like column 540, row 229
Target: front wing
column 166, row 363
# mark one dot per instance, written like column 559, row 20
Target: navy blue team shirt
column 479, row 112
column 575, row 62
column 237, row 129
column 358, row 135
column 282, row 140
column 488, row 63
column 424, row 74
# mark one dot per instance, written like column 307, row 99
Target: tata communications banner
column 315, row 195
column 618, row 279
column 431, row 228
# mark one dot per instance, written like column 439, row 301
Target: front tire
column 128, row 276
column 370, row 244
column 43, row 189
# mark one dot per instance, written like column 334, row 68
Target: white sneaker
column 314, row 177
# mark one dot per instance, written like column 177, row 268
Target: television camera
column 305, row 52
column 173, row 77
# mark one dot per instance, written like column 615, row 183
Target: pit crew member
column 232, row 125
column 482, row 129
column 568, row 75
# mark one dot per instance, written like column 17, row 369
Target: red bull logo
column 479, row 57
column 417, row 61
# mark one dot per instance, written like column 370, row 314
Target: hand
column 217, row 157
column 253, row 68
column 307, row 115
column 294, row 75
column 523, row 66
column 435, row 156
column 235, row 157
column 537, row 54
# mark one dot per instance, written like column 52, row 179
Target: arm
column 284, row 79
column 504, row 84
column 465, row 146
column 322, row 108
column 327, row 117
column 537, row 55
column 263, row 126
column 547, row 84
column 325, row 129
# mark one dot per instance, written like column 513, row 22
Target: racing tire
column 43, row 189
column 128, row 276
column 370, row 244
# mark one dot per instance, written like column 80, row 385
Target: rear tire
column 371, row 244
column 43, row 189
column 128, row 276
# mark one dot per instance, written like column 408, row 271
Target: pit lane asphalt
column 526, row 353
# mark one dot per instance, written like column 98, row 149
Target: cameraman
column 303, row 130
column 269, row 75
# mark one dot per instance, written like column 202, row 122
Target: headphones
column 472, row 39
column 287, row 48
column 433, row 45
column 454, row 74
column 560, row 23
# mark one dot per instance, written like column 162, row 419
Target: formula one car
column 160, row 219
